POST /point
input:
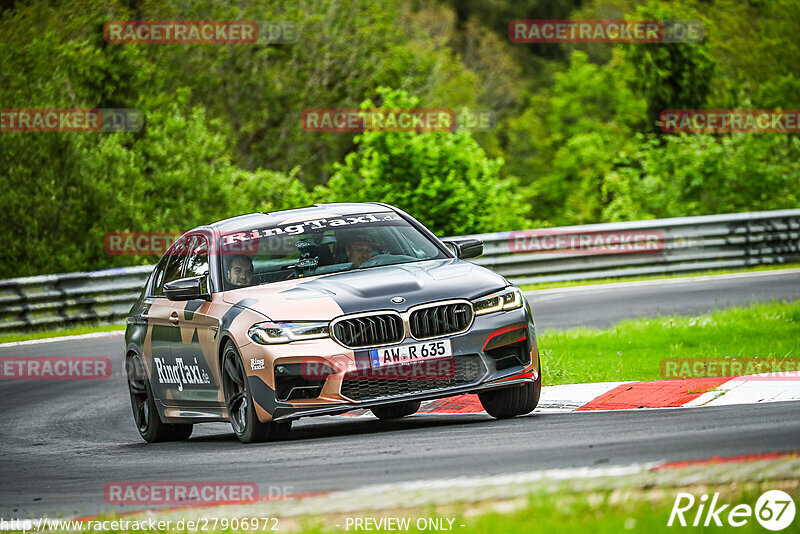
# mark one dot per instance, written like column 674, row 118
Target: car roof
column 317, row 211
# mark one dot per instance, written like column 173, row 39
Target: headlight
column 509, row 298
column 275, row 333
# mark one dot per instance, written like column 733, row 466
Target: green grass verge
column 576, row 283
column 633, row 349
column 609, row 512
column 25, row 336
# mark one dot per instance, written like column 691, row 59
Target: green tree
column 63, row 191
column 670, row 75
column 345, row 50
column 444, row 179
column 572, row 135
column 172, row 176
column 698, row 174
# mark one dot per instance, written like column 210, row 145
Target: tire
column 145, row 414
column 240, row 405
column 395, row 411
column 513, row 401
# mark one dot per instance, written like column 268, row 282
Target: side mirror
column 465, row 248
column 195, row 287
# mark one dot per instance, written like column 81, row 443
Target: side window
column 172, row 269
column 197, row 264
column 158, row 277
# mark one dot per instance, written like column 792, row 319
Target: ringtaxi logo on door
column 774, row 510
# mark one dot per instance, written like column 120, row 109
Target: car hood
column 328, row 296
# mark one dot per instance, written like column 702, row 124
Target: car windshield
column 321, row 246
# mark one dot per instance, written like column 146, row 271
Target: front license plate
column 410, row 353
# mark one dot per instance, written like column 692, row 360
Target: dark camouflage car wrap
column 181, row 342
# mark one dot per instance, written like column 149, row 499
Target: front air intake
column 409, row 379
column 440, row 320
column 368, row 330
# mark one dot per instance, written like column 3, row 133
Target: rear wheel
column 239, row 401
column 512, row 401
column 145, row 413
column 395, row 411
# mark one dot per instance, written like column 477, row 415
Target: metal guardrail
column 592, row 251
column 683, row 244
column 62, row 299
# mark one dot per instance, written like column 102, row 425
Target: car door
column 162, row 320
column 195, row 352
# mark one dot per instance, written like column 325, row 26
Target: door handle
column 173, row 318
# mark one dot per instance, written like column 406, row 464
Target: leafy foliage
column 444, row 179
column 572, row 136
column 670, row 75
column 575, row 139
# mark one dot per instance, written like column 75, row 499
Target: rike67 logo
column 774, row 510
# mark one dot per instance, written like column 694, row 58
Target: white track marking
column 93, row 335
column 509, row 479
column 570, row 397
column 752, row 389
column 661, row 281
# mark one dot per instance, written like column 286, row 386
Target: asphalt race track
column 600, row 306
column 63, row 441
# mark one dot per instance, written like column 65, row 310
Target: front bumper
column 287, row 414
column 486, row 343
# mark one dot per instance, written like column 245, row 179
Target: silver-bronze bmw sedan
column 265, row 318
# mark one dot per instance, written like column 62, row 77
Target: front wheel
column 512, row 401
column 239, row 401
column 395, row 411
column 145, row 413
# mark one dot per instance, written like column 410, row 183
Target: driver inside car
column 359, row 251
column 240, row 271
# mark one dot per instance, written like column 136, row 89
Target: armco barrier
column 686, row 244
column 677, row 245
column 56, row 299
